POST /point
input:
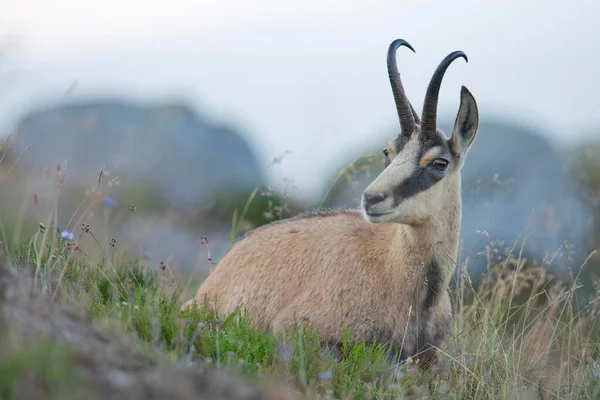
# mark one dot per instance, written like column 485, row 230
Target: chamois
column 382, row 271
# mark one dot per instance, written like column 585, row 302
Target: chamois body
column 383, row 271
column 387, row 283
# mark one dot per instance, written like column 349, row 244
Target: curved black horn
column 405, row 112
column 429, row 114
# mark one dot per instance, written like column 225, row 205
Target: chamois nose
column 371, row 199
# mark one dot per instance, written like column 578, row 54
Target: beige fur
column 372, row 274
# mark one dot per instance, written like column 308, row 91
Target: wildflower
column 67, row 235
column 325, row 376
column 110, row 202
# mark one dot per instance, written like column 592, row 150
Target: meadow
column 79, row 316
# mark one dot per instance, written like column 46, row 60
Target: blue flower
column 67, row 235
column 110, row 202
column 325, row 376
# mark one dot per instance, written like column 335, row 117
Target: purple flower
column 325, row 376
column 67, row 235
column 110, row 202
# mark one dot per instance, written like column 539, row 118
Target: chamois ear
column 466, row 124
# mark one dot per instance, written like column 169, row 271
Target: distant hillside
column 170, row 146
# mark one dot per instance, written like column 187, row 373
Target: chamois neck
column 436, row 241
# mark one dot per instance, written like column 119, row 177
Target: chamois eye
column 386, row 153
column 440, row 164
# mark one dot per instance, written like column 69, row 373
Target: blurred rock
column 169, row 146
column 184, row 175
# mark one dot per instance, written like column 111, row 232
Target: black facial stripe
column 423, row 178
column 420, row 180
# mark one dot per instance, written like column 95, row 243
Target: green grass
column 140, row 303
column 495, row 351
column 37, row 359
column 521, row 334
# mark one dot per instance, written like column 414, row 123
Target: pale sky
column 308, row 75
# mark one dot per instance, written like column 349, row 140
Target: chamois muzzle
column 370, row 199
column 372, row 203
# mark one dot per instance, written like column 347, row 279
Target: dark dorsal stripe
column 433, row 281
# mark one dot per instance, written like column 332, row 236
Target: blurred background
column 186, row 106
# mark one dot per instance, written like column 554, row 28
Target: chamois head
column 422, row 166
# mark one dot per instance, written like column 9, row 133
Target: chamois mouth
column 374, row 216
column 371, row 214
